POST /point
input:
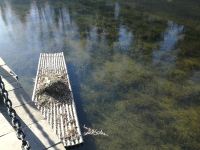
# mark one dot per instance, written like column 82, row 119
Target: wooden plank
column 36, row 79
column 62, row 124
column 61, row 118
column 57, row 119
column 51, row 115
column 73, row 105
column 54, row 118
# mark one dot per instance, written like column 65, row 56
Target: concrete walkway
column 37, row 130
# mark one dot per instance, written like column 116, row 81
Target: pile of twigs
column 90, row 131
column 53, row 88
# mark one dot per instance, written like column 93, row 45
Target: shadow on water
column 75, row 83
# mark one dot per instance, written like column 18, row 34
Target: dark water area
column 134, row 65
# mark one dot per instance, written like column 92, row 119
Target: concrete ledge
column 38, row 131
column 5, row 126
column 2, row 62
column 10, row 87
column 5, row 70
column 39, row 135
column 45, row 136
column 19, row 97
column 9, row 79
column 58, row 146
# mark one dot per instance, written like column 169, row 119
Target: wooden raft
column 61, row 117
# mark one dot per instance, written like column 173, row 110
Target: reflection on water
column 121, row 85
column 117, row 10
column 170, row 38
column 46, row 34
column 93, row 35
column 125, row 38
column 39, row 32
column 8, row 32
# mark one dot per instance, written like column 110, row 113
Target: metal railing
column 15, row 122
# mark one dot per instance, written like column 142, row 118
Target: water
column 134, row 66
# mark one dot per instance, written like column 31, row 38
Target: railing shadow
column 75, row 83
column 25, row 102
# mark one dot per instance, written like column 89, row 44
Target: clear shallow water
column 134, row 72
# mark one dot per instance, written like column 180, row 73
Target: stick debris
column 90, row 131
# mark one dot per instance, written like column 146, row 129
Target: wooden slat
column 36, row 79
column 54, row 118
column 62, row 118
column 73, row 105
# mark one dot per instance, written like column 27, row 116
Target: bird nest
column 53, row 88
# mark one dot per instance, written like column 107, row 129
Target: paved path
column 37, row 130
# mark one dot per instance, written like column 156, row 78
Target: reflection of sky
column 170, row 38
column 117, row 10
column 39, row 32
column 125, row 38
column 22, row 41
column 48, row 35
column 92, row 38
column 10, row 35
column 43, row 29
column 93, row 35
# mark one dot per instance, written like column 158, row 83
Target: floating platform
column 62, row 117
